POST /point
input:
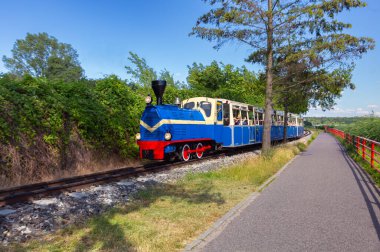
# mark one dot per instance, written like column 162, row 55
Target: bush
column 63, row 122
column 367, row 127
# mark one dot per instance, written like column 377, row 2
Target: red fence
column 368, row 149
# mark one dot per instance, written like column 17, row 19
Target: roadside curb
column 220, row 224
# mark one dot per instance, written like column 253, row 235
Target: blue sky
column 103, row 32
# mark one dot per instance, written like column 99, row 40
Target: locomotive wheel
column 199, row 150
column 185, row 153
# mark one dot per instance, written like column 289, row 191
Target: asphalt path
column 321, row 202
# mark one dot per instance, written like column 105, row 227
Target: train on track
column 190, row 128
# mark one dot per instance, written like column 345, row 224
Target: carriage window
column 292, row 121
column 226, row 114
column 260, row 118
column 219, row 111
column 274, row 121
column 189, row 105
column 251, row 117
column 281, row 120
column 206, row 106
column 236, row 115
column 244, row 117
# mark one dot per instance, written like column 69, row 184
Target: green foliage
column 105, row 114
column 366, row 127
column 226, row 81
column 123, row 109
column 29, row 107
column 141, row 75
column 301, row 146
column 41, row 55
column 331, row 121
column 214, row 80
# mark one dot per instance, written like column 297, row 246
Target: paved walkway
column 321, row 202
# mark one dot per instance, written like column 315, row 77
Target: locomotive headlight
column 168, row 136
column 138, row 136
column 148, row 99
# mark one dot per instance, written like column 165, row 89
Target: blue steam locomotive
column 194, row 126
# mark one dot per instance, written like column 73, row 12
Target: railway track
column 29, row 192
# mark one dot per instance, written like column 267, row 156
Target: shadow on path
column 367, row 187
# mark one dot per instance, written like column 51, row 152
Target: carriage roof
column 240, row 104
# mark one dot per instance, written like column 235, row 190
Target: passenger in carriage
column 245, row 121
column 226, row 120
column 237, row 120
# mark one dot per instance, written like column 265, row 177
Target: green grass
column 168, row 216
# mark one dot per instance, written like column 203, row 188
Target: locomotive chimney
column 159, row 89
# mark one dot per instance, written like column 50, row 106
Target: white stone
column 78, row 195
column 107, row 201
column 46, row 202
column 108, row 188
column 142, row 179
column 21, row 228
column 125, row 183
column 26, row 231
column 5, row 212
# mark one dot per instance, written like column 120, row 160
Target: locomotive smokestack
column 159, row 89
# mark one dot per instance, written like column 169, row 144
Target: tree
column 41, row 55
column 318, row 88
column 266, row 27
column 141, row 76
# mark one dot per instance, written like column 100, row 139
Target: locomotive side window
column 206, row 106
column 189, row 105
column 226, row 114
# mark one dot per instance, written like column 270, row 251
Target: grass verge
column 350, row 149
column 167, row 216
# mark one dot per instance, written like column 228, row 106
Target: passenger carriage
column 199, row 124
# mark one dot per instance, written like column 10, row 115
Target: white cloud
column 373, row 106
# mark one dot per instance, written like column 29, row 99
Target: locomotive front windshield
column 189, row 105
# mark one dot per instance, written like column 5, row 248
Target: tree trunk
column 268, row 89
column 286, row 121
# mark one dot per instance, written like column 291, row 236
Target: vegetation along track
column 29, row 192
